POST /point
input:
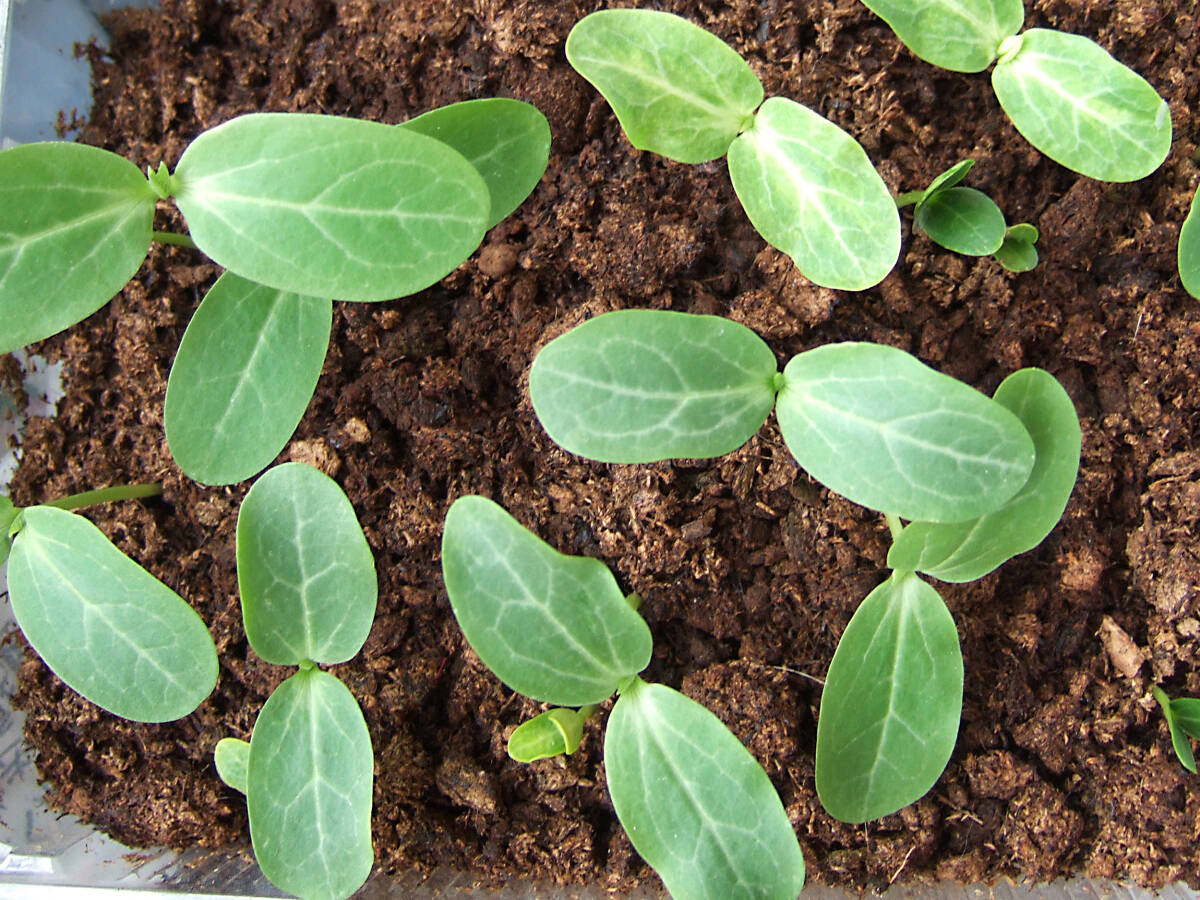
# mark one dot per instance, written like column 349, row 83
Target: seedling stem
column 106, row 495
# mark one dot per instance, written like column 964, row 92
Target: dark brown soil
column 749, row 571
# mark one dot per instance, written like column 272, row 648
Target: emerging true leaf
column 552, row 627
column 308, row 780
column 245, row 371
column 960, row 35
column 75, row 224
column 677, row 89
column 962, row 219
column 1179, row 738
column 882, row 429
column 641, row 385
column 891, row 703
column 964, row 551
column 810, row 190
column 1018, row 252
column 103, row 624
column 305, row 572
column 1189, row 250
column 507, row 141
column 1081, row 107
column 553, row 733
column 231, row 758
column 330, row 207
column 695, row 804
column 948, row 179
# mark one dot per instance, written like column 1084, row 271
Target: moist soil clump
column 748, row 570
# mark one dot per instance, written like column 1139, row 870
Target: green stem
column 104, row 495
column 909, row 199
column 894, row 524
column 174, row 237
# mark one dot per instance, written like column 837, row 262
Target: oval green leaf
column 882, row 429
column 330, row 207
column 636, row 386
column 964, row 551
column 305, row 572
column 677, row 89
column 1189, row 250
column 960, row 35
column 232, row 757
column 552, row 627
column 1082, row 108
column 553, row 733
column 75, row 224
column 810, row 190
column 309, row 779
column 1179, row 737
column 891, row 703
column 246, row 368
column 695, row 804
column 507, row 141
column 962, row 219
column 103, row 624
column 1018, row 252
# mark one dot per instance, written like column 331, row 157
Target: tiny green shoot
column 805, row 184
column 1183, row 721
column 1018, row 252
column 104, row 625
column 1189, row 250
column 308, row 588
column 694, row 802
column 555, row 732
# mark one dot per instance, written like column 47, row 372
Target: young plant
column 1063, row 92
column 308, row 587
column 979, row 480
column 969, row 222
column 1183, row 721
column 108, row 628
column 695, row 804
column 806, row 185
column 298, row 208
column 1189, row 250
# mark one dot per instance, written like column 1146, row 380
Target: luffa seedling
column 806, row 185
column 694, row 802
column 308, row 588
column 298, row 208
column 103, row 624
column 1189, row 250
column 1063, row 92
column 1183, row 721
column 979, row 480
column 969, row 222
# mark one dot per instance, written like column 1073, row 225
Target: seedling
column 104, row 625
column 1189, row 250
column 307, row 582
column 1063, row 92
column 694, row 802
column 298, row 208
column 1183, row 721
column 806, row 185
column 969, row 222
column 979, row 480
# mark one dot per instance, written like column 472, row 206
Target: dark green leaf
column 962, row 219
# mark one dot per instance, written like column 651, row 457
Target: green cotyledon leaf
column 1179, row 736
column 1189, row 250
column 962, row 219
column 960, row 35
column 231, row 757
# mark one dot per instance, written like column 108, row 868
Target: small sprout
column 1189, row 250
column 552, row 733
column 1019, row 253
column 231, row 758
column 1183, row 720
column 694, row 802
column 806, row 185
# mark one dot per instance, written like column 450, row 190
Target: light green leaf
column 960, row 35
column 507, row 141
column 552, row 627
column 810, row 190
column 1179, row 738
column 232, row 758
column 103, row 624
column 305, row 572
column 245, row 371
column 1187, row 713
column 1081, row 107
column 1017, row 253
column 677, row 89
column 330, row 207
column 8, row 515
column 695, row 804
column 891, row 703
column 309, row 778
column 1189, row 250
column 884, row 430
column 964, row 551
column 553, row 733
column 636, row 386
column 947, row 179
column 962, row 219
column 75, row 225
